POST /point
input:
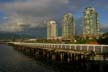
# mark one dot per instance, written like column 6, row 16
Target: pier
column 63, row 52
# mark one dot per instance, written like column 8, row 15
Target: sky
column 25, row 15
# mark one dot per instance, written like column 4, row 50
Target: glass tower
column 68, row 27
column 91, row 23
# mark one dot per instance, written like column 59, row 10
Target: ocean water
column 13, row 61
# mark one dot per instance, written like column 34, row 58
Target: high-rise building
column 52, row 30
column 68, row 27
column 91, row 23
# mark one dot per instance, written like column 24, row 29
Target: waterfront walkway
column 99, row 51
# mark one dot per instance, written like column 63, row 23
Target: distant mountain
column 5, row 36
column 36, row 32
column 27, row 33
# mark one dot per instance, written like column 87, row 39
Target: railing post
column 94, row 48
column 75, row 47
column 70, row 47
column 101, row 48
column 80, row 47
column 87, row 47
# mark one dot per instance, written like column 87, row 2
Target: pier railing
column 82, row 48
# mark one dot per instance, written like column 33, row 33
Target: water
column 13, row 61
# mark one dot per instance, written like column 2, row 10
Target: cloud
column 13, row 25
column 21, row 23
column 104, row 28
column 80, row 5
column 34, row 13
column 35, row 7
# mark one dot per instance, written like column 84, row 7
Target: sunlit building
column 91, row 23
column 68, row 27
column 52, row 30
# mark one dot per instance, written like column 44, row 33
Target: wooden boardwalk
column 90, row 50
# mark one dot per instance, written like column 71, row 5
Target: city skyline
column 35, row 14
column 91, row 26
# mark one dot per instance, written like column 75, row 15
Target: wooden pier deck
column 90, row 51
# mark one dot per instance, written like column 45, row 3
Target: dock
column 64, row 52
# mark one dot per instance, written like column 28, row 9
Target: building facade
column 52, row 30
column 91, row 23
column 68, row 26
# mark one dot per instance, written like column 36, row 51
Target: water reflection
column 13, row 61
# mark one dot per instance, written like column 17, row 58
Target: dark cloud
column 36, row 8
column 36, row 13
